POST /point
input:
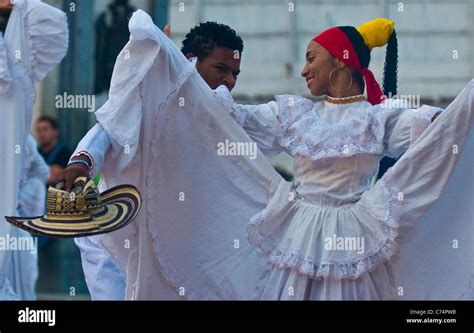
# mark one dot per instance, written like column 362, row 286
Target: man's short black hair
column 48, row 119
column 205, row 37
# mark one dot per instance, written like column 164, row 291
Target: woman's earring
column 330, row 79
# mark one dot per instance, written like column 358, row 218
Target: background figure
column 111, row 36
column 31, row 199
column 31, row 202
column 51, row 149
column 35, row 40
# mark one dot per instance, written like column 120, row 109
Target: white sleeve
column 48, row 37
column 148, row 51
column 404, row 126
column 96, row 143
column 262, row 125
column 261, row 122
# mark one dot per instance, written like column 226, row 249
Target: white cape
column 437, row 260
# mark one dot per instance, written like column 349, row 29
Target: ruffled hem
column 316, row 266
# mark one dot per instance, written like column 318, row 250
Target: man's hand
column 54, row 170
column 74, row 171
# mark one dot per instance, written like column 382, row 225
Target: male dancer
column 215, row 46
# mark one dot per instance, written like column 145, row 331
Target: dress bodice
column 334, row 181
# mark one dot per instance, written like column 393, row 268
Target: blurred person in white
column 227, row 226
column 33, row 39
column 31, row 202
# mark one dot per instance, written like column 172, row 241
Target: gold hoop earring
column 332, row 86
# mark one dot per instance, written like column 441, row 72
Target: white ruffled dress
column 328, row 234
column 229, row 227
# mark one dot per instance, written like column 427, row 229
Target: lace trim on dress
column 351, row 268
column 305, row 133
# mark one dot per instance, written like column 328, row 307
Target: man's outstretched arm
column 88, row 158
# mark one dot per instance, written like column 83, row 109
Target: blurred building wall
column 436, row 40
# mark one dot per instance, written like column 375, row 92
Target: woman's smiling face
column 319, row 64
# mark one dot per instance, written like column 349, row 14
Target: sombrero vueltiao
column 83, row 211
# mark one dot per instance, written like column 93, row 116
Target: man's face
column 46, row 133
column 220, row 67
